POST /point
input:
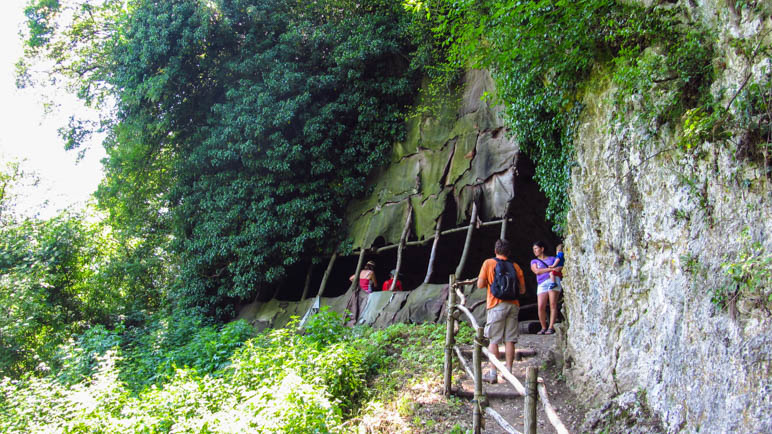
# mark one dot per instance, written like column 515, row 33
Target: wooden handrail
column 552, row 415
column 505, row 372
column 534, row 383
column 502, row 422
column 468, row 314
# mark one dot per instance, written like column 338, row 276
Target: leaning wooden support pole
column 501, row 421
column 402, row 239
column 307, row 284
column 478, row 391
column 505, row 373
column 450, row 339
column 503, row 234
column 468, row 241
column 529, row 412
column 430, row 268
column 355, row 281
column 327, row 272
column 552, row 415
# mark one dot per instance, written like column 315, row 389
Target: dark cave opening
column 528, row 224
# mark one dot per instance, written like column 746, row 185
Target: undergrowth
column 322, row 378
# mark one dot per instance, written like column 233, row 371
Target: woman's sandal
column 541, row 332
column 550, row 332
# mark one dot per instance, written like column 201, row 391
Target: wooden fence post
column 529, row 413
column 478, row 392
column 449, row 338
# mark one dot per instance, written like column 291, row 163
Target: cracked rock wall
column 448, row 154
column 644, row 254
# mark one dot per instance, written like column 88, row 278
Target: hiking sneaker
column 490, row 376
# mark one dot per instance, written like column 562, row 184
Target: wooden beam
column 307, row 284
column 503, row 234
column 326, row 276
column 468, row 240
column 478, row 391
column 425, row 240
column 501, row 421
column 529, row 412
column 355, row 282
column 552, row 415
column 504, row 372
column 433, row 254
column 449, row 338
column 402, row 239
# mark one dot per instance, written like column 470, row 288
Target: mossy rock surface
column 426, row 213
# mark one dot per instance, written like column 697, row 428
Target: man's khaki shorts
column 501, row 323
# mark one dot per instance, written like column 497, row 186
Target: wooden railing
column 533, row 384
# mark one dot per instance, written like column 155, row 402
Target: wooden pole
column 355, row 282
column 427, row 239
column 402, row 239
column 327, row 274
column 308, row 282
column 468, row 241
column 552, row 415
column 504, row 372
column 478, row 392
column 529, row 413
column 430, row 269
column 504, row 221
column 502, row 422
column 449, row 337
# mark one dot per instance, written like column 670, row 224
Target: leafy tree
column 241, row 128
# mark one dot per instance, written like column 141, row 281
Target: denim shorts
column 545, row 286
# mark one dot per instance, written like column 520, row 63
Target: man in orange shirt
column 501, row 316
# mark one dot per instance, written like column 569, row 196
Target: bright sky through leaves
column 26, row 132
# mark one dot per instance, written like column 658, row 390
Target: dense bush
column 288, row 380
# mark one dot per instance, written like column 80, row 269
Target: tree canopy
column 241, row 128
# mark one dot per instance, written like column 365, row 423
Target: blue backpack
column 504, row 285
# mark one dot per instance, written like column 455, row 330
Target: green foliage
column 46, row 286
column 542, row 52
column 750, row 274
column 287, row 380
column 152, row 354
column 241, row 128
column 60, row 276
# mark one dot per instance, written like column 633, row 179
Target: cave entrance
column 527, row 224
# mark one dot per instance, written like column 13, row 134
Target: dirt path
column 562, row 399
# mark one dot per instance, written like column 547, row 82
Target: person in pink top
column 367, row 283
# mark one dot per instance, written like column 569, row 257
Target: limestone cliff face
column 648, row 232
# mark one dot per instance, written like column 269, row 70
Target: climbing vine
column 542, row 54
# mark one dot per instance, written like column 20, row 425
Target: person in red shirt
column 501, row 315
column 387, row 284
